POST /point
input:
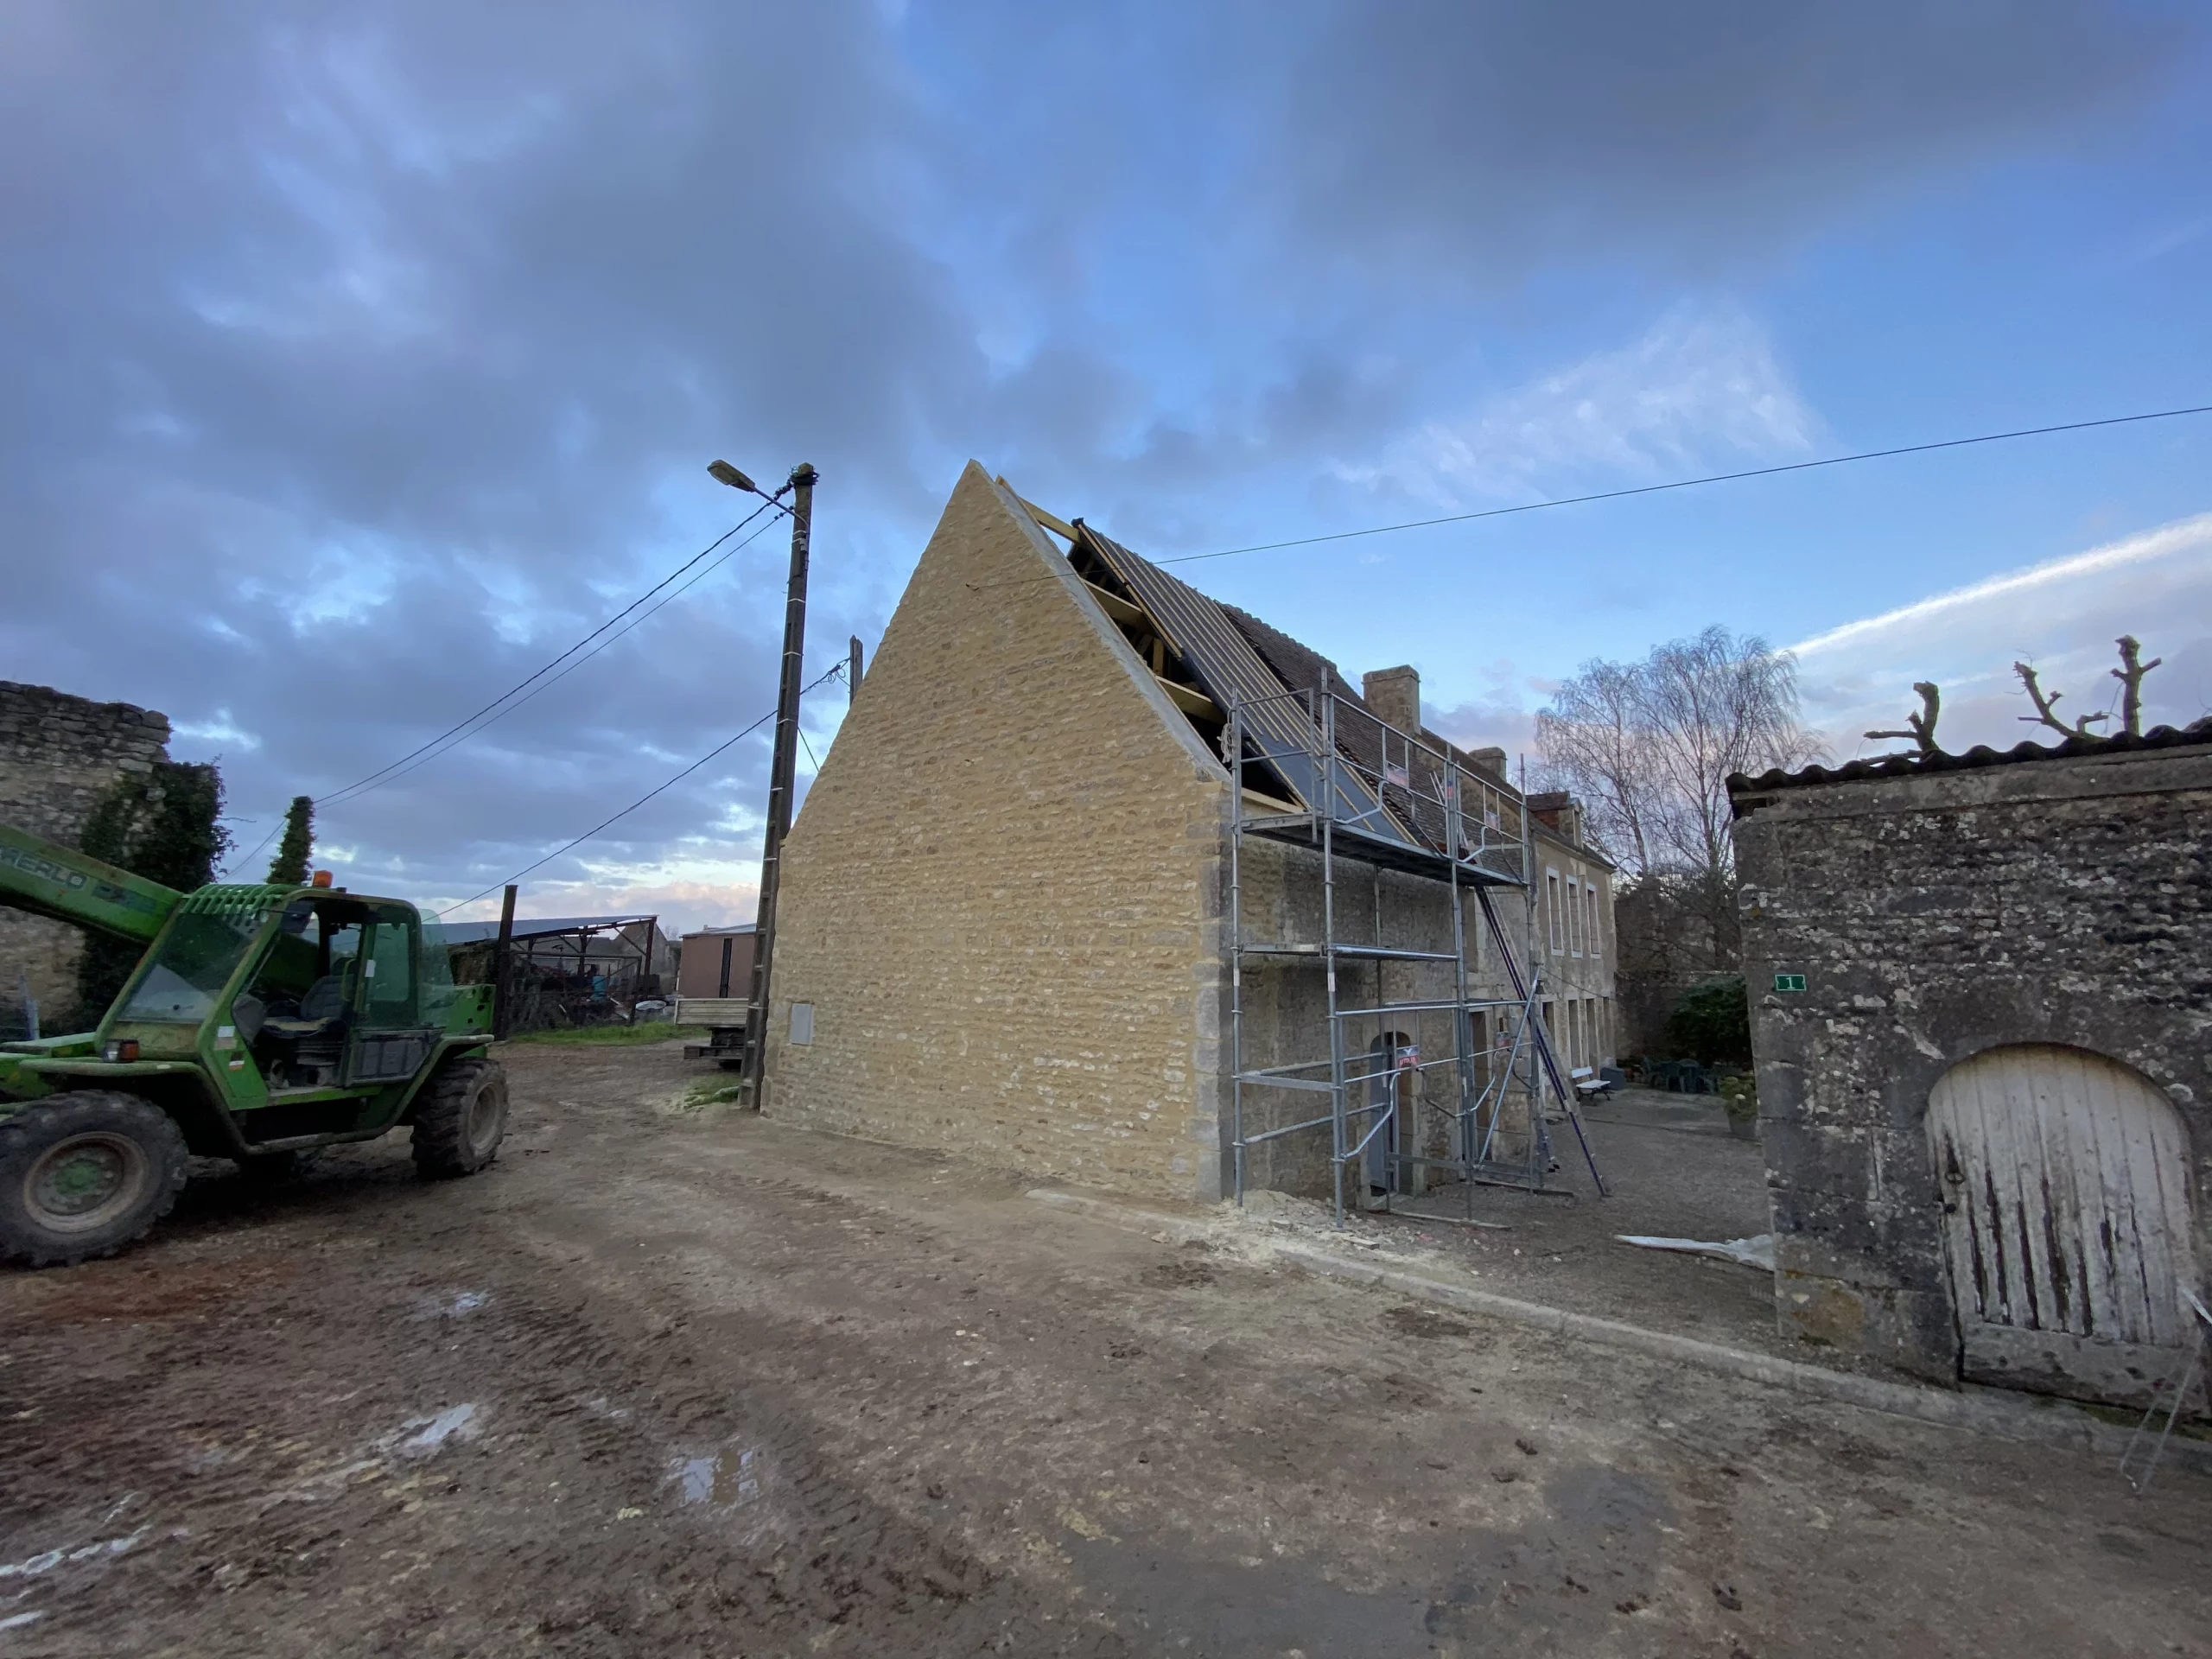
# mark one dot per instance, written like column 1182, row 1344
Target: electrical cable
column 832, row 674
column 1688, row 483
column 383, row 773
column 403, row 769
column 1653, row 489
column 233, row 861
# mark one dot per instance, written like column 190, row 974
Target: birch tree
column 1649, row 747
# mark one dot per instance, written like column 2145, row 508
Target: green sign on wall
column 1789, row 982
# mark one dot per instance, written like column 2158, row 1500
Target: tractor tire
column 461, row 1117
column 82, row 1174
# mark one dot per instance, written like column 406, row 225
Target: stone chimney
column 1393, row 695
column 1491, row 760
column 1559, row 812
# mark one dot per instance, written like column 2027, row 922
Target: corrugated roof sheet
column 1908, row 766
column 1279, row 727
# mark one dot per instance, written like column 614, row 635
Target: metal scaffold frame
column 1394, row 802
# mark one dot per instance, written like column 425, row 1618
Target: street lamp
column 726, row 473
column 782, row 768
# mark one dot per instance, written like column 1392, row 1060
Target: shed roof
column 1746, row 793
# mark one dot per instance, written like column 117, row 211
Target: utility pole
column 853, row 672
column 502, row 975
column 780, row 778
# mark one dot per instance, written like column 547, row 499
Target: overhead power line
column 403, row 769
column 1689, row 483
column 463, row 730
column 719, row 749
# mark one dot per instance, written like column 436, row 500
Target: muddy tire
column 82, row 1174
column 461, row 1117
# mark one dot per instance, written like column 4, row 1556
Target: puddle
column 460, row 1305
column 432, row 1432
column 721, row 1480
column 47, row 1561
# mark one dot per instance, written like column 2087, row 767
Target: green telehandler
column 260, row 1023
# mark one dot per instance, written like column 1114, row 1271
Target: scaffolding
column 1386, row 799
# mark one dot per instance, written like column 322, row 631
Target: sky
column 356, row 362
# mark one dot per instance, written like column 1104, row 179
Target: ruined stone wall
column 1001, row 900
column 59, row 756
column 1934, row 916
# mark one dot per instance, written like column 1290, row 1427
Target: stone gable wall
column 1933, row 917
column 1002, row 898
column 59, row 756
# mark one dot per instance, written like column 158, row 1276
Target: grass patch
column 653, row 1031
column 708, row 1092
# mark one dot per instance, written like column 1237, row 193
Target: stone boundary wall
column 58, row 755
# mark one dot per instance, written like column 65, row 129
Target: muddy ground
column 678, row 1384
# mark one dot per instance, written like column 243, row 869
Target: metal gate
column 2065, row 1181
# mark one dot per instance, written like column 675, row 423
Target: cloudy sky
column 356, row 361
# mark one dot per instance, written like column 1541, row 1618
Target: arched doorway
column 2065, row 1183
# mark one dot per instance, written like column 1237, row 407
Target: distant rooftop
column 538, row 927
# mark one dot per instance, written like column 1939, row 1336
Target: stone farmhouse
column 1982, row 1014
column 1110, row 883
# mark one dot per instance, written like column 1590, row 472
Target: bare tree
column 1650, row 746
column 2130, row 675
column 1592, row 740
column 2046, row 712
column 1715, row 705
column 1919, row 727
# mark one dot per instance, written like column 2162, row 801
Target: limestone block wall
column 59, row 756
column 1577, row 947
column 1001, row 900
column 1285, row 1004
column 1934, row 915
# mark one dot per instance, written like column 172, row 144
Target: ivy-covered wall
column 165, row 824
column 60, row 759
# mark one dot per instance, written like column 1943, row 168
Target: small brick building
column 1002, row 920
column 59, row 756
column 1982, row 1012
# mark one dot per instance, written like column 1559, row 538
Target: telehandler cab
column 261, row 1022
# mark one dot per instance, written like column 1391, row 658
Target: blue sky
column 358, row 362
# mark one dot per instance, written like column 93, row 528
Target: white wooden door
column 2065, row 1179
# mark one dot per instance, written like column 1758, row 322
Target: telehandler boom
column 260, row 1022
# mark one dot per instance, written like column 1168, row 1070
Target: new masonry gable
column 1001, row 903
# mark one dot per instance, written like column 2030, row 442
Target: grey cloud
column 1486, row 141
column 339, row 342
column 354, row 360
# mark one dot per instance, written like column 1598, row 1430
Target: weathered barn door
column 2065, row 1180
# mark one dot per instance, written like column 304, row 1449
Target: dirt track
column 673, row 1385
